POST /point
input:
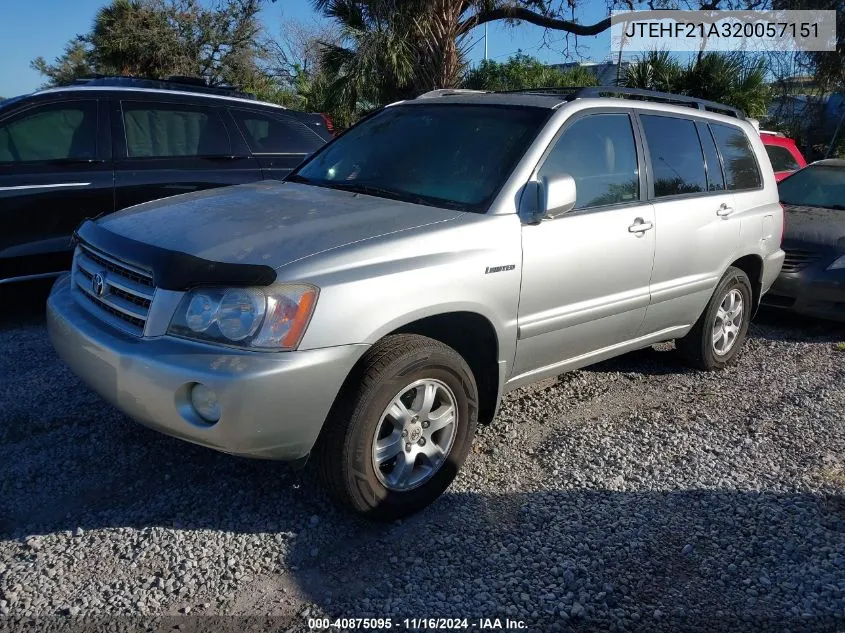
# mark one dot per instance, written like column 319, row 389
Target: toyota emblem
column 98, row 283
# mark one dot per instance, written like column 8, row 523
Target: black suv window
column 59, row 131
column 275, row 134
column 599, row 152
column 782, row 159
column 741, row 170
column 165, row 130
column 676, row 158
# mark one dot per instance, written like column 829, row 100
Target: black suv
column 104, row 144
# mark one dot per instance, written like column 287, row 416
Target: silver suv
column 375, row 306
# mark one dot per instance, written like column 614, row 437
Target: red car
column 783, row 152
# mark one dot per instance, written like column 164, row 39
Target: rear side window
column 677, row 161
column 782, row 159
column 741, row 170
column 599, row 152
column 59, row 131
column 275, row 134
column 170, row 130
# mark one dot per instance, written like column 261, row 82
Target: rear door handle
column 640, row 226
column 724, row 210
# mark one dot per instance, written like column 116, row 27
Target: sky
column 29, row 28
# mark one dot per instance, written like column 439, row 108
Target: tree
column 395, row 49
column 522, row 72
column 159, row 38
column 74, row 62
column 732, row 79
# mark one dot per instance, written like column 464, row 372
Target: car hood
column 815, row 225
column 271, row 223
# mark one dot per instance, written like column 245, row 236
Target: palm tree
column 731, row 79
column 656, row 70
column 395, row 49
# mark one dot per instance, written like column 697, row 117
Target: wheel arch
column 752, row 265
column 474, row 337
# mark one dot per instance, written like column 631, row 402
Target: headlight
column 838, row 264
column 274, row 319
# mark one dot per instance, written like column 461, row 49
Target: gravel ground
column 632, row 496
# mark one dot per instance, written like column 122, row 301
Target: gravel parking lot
column 636, row 495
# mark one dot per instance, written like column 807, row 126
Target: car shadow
column 23, row 303
column 775, row 324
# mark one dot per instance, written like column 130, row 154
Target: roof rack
column 570, row 93
column 181, row 83
column 663, row 97
column 445, row 92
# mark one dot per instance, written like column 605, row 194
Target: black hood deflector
column 173, row 270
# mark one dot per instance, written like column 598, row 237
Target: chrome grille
column 122, row 293
column 797, row 260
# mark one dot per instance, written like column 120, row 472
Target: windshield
column 452, row 156
column 815, row 186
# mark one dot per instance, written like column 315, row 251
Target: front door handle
column 640, row 226
column 724, row 210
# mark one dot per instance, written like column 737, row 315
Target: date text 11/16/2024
column 417, row 624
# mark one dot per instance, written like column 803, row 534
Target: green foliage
column 522, row 72
column 74, row 62
column 159, row 38
column 731, row 79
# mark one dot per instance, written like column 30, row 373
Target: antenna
column 485, row 41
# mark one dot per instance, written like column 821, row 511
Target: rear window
column 741, row 171
column 275, row 134
column 171, row 130
column 782, row 159
column 676, row 159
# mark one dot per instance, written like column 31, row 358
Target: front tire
column 716, row 338
column 400, row 429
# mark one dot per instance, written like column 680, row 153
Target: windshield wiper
column 374, row 190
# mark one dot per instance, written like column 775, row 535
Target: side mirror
column 557, row 196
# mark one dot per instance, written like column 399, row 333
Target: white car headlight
column 271, row 319
column 838, row 264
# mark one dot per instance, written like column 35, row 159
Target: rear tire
column 716, row 338
column 388, row 448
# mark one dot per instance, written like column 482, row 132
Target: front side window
column 600, row 154
column 782, row 159
column 741, row 170
column 447, row 155
column 171, row 130
column 55, row 132
column 677, row 161
column 275, row 134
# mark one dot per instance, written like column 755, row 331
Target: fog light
column 205, row 403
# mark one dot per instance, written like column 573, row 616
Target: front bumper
column 811, row 292
column 273, row 405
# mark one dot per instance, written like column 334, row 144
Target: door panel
column 696, row 216
column 170, row 148
column 585, row 275
column 55, row 171
column 585, row 285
